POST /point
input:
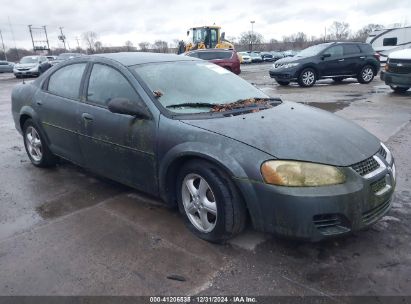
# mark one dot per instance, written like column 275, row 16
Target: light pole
column 2, row 42
column 252, row 35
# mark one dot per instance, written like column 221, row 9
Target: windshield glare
column 313, row 50
column 28, row 60
column 194, row 82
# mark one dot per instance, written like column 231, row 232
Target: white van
column 386, row 41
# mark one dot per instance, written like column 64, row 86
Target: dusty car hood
column 26, row 65
column 298, row 132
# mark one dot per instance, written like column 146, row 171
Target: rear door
column 115, row 145
column 57, row 107
column 353, row 58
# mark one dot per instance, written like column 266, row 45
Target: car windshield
column 29, row 59
column 313, row 50
column 195, row 87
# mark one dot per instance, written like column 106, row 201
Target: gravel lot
column 66, row 231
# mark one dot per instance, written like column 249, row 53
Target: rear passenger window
column 107, row 83
column 389, row 41
column 366, row 48
column 66, row 81
column 350, row 49
column 335, row 51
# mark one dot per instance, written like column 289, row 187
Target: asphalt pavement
column 66, row 231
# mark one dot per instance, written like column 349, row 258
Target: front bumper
column 402, row 80
column 282, row 74
column 26, row 72
column 317, row 213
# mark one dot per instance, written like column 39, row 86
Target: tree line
column 337, row 31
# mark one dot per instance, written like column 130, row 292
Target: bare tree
column 129, row 45
column 90, row 39
column 363, row 33
column 339, row 30
column 160, row 46
column 98, row 46
column 144, row 46
column 250, row 38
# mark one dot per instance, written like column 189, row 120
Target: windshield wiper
column 192, row 105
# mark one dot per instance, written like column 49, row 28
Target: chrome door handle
column 341, row 60
column 362, row 57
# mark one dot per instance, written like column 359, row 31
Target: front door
column 334, row 64
column 115, row 145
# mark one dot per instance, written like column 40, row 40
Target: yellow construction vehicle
column 205, row 37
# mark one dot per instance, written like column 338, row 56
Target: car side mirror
column 325, row 56
column 127, row 107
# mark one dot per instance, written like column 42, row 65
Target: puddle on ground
column 329, row 106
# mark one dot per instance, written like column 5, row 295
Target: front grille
column 375, row 213
column 331, row 224
column 378, row 185
column 366, row 166
column 399, row 69
column 400, row 61
column 382, row 152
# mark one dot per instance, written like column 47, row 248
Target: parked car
column 289, row 53
column 65, row 56
column 227, row 59
column 255, row 57
column 245, row 57
column 51, row 58
column 277, row 55
column 31, row 66
column 397, row 71
column 6, row 66
column 266, row 56
column 209, row 142
column 336, row 60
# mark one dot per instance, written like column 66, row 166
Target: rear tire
column 36, row 146
column 283, row 83
column 366, row 74
column 397, row 89
column 307, row 78
column 211, row 206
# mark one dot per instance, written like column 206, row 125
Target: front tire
column 398, row 89
column 283, row 83
column 307, row 78
column 366, row 74
column 207, row 198
column 36, row 147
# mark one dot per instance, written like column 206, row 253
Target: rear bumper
column 402, row 80
column 317, row 213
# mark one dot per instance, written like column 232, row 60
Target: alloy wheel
column 367, row 74
column 308, row 78
column 199, row 203
column 33, row 142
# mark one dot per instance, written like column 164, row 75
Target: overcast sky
column 116, row 21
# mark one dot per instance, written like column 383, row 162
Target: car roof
column 134, row 58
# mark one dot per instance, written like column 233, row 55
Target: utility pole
column 78, row 42
column 31, row 35
column 47, row 39
column 252, row 35
column 4, row 49
column 62, row 37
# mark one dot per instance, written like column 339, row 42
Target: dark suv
column 336, row 60
column 227, row 59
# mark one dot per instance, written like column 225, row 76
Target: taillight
column 377, row 56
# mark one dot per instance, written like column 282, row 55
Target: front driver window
column 335, row 51
column 107, row 83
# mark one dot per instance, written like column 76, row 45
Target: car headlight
column 300, row 174
column 290, row 65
